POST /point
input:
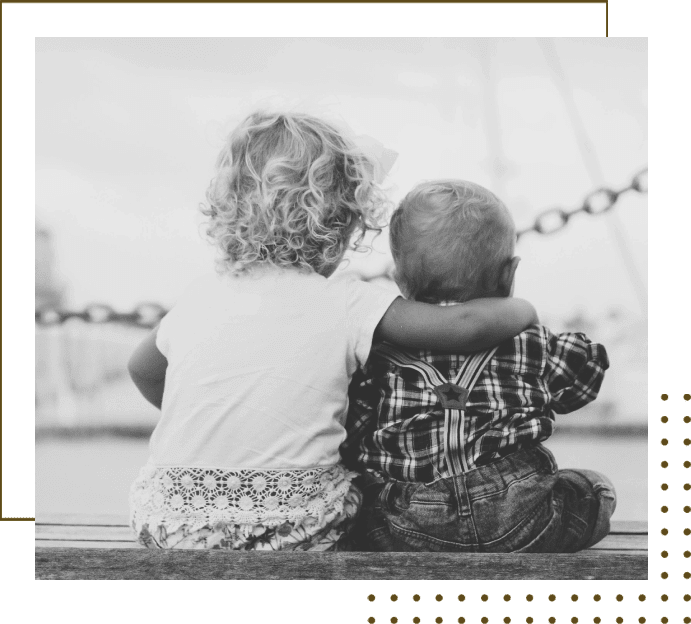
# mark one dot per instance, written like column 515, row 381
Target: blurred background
column 127, row 131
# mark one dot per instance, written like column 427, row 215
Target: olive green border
column 345, row 601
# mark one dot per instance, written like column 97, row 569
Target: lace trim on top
column 198, row 497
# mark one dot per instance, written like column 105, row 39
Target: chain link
column 144, row 315
column 596, row 203
column 149, row 314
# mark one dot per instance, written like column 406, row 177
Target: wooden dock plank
column 84, row 532
column 50, row 545
column 83, row 519
column 618, row 526
column 632, row 527
column 70, row 563
column 622, row 542
column 110, row 536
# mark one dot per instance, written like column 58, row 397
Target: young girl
column 251, row 367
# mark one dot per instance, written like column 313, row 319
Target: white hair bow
column 382, row 157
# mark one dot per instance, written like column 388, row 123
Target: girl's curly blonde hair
column 290, row 190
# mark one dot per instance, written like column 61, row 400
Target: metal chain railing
column 596, row 203
column 548, row 222
column 144, row 315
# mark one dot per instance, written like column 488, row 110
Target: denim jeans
column 520, row 503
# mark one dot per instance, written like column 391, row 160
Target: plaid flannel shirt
column 395, row 422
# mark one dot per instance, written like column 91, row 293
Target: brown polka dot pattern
column 551, row 598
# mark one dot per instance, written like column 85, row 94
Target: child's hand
column 462, row 328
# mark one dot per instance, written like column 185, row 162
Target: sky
column 127, row 131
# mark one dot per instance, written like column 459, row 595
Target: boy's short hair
column 290, row 190
column 448, row 239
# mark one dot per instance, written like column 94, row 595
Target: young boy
column 449, row 444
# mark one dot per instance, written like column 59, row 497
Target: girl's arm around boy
column 463, row 328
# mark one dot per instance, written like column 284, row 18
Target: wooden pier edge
column 98, row 563
column 76, row 546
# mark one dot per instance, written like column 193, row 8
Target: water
column 94, row 475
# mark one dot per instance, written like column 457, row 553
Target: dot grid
column 677, row 503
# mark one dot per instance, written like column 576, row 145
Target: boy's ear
column 507, row 276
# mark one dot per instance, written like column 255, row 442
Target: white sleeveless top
column 255, row 396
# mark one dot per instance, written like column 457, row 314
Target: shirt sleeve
column 366, row 306
column 163, row 335
column 574, row 370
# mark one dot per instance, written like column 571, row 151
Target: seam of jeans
column 508, row 487
column 514, row 529
column 423, row 537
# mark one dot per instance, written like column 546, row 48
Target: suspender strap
column 452, row 396
column 454, row 418
column 430, row 374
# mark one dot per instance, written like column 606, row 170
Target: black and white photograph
column 379, row 305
